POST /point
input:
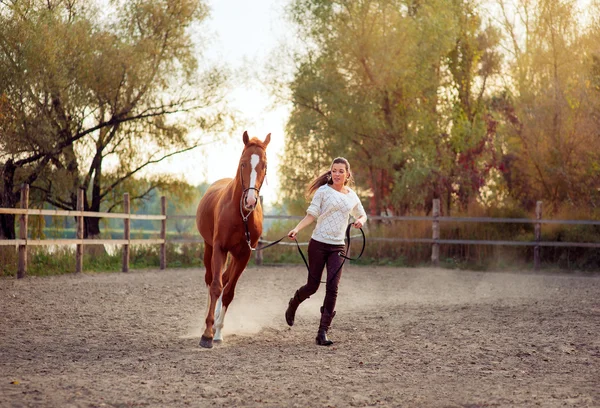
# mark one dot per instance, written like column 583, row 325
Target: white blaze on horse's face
column 251, row 197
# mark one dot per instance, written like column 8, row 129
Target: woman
column 331, row 206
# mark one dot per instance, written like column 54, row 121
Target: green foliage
column 109, row 95
column 43, row 261
column 392, row 86
column 549, row 110
column 185, row 255
column 10, row 261
column 435, row 99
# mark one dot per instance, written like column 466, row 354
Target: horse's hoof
column 206, row 342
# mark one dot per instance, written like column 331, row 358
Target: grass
column 42, row 262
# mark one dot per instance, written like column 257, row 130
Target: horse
column 229, row 218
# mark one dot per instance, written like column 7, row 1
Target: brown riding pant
column 319, row 256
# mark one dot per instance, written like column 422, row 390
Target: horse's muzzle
column 250, row 201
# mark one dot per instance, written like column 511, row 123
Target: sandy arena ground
column 404, row 338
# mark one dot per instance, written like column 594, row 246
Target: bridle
column 242, row 206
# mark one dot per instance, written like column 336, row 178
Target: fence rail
column 23, row 241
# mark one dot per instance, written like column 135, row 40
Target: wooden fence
column 23, row 241
column 435, row 241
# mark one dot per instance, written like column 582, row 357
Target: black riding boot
column 324, row 325
column 290, row 313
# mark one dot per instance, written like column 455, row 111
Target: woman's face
column 339, row 174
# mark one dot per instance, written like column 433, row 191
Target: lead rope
column 341, row 254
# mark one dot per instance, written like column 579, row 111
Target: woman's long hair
column 325, row 177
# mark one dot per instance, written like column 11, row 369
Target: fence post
column 435, row 227
column 538, row 235
column 163, row 233
column 259, row 253
column 22, row 269
column 126, row 232
column 79, row 234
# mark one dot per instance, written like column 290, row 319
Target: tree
column 399, row 88
column 32, row 71
column 357, row 91
column 549, row 127
column 468, row 153
column 108, row 98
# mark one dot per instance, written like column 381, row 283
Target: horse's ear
column 246, row 137
column 267, row 140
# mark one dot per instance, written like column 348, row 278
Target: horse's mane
column 256, row 142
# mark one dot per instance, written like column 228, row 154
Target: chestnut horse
column 229, row 218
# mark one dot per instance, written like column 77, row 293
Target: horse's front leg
column 215, row 290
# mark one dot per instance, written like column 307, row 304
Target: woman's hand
column 359, row 223
column 292, row 234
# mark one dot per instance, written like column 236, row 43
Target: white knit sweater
column 332, row 210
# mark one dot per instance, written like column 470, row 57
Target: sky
column 242, row 34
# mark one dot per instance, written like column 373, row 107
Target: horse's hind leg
column 208, row 252
column 237, row 267
column 233, row 273
column 220, row 311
